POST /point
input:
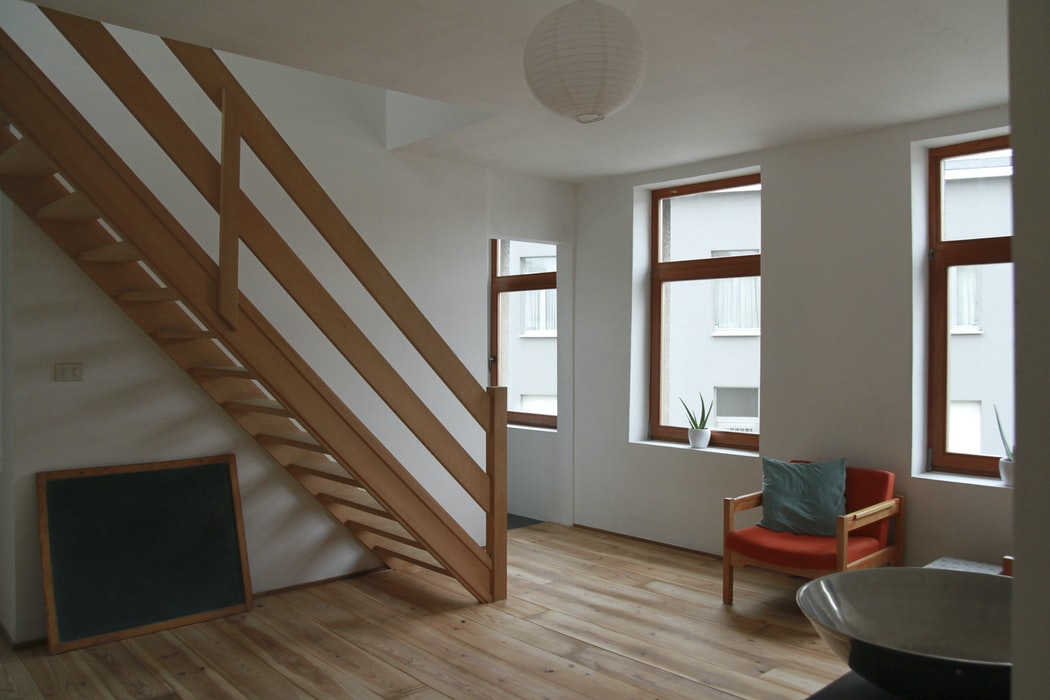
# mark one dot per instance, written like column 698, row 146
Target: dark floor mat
column 514, row 521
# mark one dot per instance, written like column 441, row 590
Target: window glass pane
column 696, row 359
column 522, row 257
column 535, row 403
column 980, row 364
column 539, row 263
column 964, row 427
column 977, row 197
column 964, row 299
column 737, row 299
column 539, row 311
column 737, row 409
column 528, row 350
column 695, row 226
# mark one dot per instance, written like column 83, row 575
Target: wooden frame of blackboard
column 136, row 522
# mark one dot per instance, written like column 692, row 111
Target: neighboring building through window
column 971, row 313
column 706, row 308
column 523, row 321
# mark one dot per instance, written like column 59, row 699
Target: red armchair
column 862, row 538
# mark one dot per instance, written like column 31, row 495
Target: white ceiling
column 722, row 77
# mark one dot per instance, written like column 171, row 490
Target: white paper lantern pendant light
column 584, row 61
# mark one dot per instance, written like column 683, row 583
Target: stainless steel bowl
column 915, row 632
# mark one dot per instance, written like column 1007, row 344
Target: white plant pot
column 1006, row 471
column 699, row 437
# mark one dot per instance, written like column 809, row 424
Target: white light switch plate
column 69, row 372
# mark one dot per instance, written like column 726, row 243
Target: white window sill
column 736, row 332
column 539, row 334
column 531, row 428
column 967, row 330
column 736, row 451
column 966, row 479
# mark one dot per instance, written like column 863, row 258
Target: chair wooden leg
column 727, row 580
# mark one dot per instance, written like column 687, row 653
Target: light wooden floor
column 589, row 615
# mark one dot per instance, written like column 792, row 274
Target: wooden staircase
column 67, row 179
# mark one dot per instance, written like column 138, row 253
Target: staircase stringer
column 194, row 160
column 97, row 173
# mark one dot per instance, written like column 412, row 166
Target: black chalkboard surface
column 139, row 548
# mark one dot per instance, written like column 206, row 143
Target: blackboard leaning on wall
column 139, row 548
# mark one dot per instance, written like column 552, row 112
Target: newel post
column 496, row 470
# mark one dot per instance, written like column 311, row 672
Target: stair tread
column 404, row 539
column 72, row 207
column 394, row 552
column 160, row 294
column 228, row 371
column 301, row 470
column 267, row 406
column 355, row 504
column 117, row 253
column 24, row 159
column 183, row 335
column 301, row 440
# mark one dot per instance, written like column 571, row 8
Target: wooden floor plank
column 63, row 676
column 189, row 674
column 16, row 683
column 715, row 674
column 125, row 674
column 643, row 678
column 573, row 680
column 335, row 652
column 588, row 615
column 243, row 667
column 476, row 665
column 284, row 654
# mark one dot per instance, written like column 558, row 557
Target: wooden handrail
column 214, row 77
column 131, row 86
column 44, row 115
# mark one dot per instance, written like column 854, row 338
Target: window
column 706, row 308
column 539, row 312
column 738, row 409
column 523, row 310
column 737, row 300
column 970, row 305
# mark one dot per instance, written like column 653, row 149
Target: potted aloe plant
column 699, row 434
column 1006, row 464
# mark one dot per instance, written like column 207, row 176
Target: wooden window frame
column 686, row 270
column 942, row 256
column 499, row 284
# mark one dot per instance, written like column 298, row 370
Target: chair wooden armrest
column 731, row 505
column 844, row 524
column 735, row 504
column 871, row 514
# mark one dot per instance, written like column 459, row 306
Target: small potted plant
column 1006, row 464
column 699, row 435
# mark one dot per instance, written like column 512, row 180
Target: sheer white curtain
column 737, row 299
column 964, row 295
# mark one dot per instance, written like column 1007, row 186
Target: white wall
column 428, row 220
column 134, row 405
column 1029, row 104
column 539, row 461
column 839, row 352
